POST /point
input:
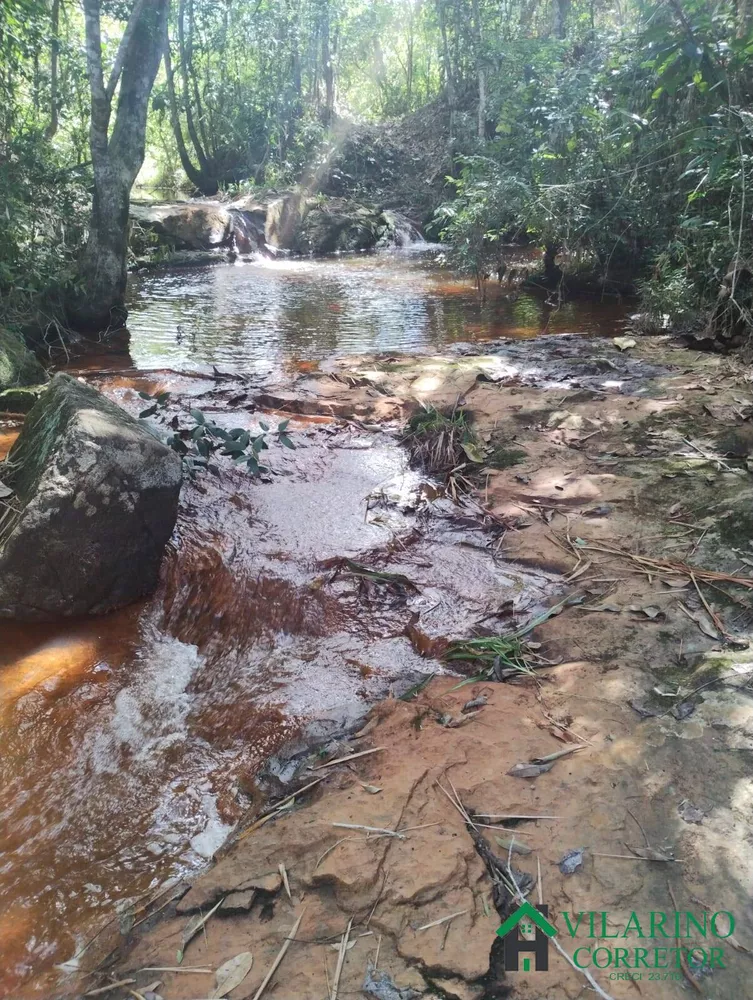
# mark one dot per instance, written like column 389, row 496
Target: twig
column 285, row 882
column 176, row 968
column 509, row 816
column 560, row 949
column 379, row 948
column 708, row 684
column 278, row 807
column 443, row 920
column 280, row 956
column 352, row 756
column 341, row 960
column 112, row 986
column 638, row 824
column 370, row 829
column 376, row 902
column 718, row 624
column 329, row 850
column 683, row 963
column 632, row 857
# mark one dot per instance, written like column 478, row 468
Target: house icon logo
column 528, row 919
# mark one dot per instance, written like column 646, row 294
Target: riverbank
column 612, row 473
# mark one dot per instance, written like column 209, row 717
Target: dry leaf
column 701, row 621
column 529, row 770
column 193, row 927
column 514, row 845
column 338, row 944
column 650, row 854
column 624, row 343
column 231, row 974
column 371, row 789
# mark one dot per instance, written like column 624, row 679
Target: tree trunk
column 478, row 45
column 98, row 301
column 204, row 183
column 559, row 17
column 54, row 53
column 327, row 68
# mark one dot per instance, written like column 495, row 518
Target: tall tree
column 117, row 156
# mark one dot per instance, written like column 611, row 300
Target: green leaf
column 198, row 416
column 264, row 426
column 283, row 426
column 285, row 440
column 148, row 412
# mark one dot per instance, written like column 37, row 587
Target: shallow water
column 129, row 743
column 260, row 315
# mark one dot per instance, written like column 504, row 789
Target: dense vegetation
column 614, row 135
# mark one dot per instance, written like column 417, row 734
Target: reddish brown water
column 128, row 742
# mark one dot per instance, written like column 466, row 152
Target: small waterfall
column 401, row 231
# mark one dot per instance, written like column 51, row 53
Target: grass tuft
column 440, row 440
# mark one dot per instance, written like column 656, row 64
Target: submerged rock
column 18, row 366
column 95, row 498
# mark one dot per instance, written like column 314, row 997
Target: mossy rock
column 21, row 399
column 18, row 366
column 95, row 501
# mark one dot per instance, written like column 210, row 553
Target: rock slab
column 18, row 366
column 93, row 501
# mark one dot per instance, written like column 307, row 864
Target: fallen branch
column 343, row 760
column 341, row 960
column 280, row 956
column 666, row 566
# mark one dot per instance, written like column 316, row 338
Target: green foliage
column 203, row 440
column 626, row 151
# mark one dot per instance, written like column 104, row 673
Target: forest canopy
column 615, row 135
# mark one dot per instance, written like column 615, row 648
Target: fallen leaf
column 472, row 452
column 572, row 861
column 337, row 945
column 683, row 710
column 645, row 711
column 701, row 621
column 231, row 974
column 474, row 703
column 624, row 343
column 371, row 789
column 529, row 770
column 649, row 854
column 514, row 845
column 651, row 611
column 193, row 927
column 689, row 812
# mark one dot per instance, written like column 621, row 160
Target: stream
column 130, row 742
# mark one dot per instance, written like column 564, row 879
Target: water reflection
column 258, row 315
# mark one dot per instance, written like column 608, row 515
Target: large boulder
column 190, row 225
column 91, row 498
column 18, row 366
